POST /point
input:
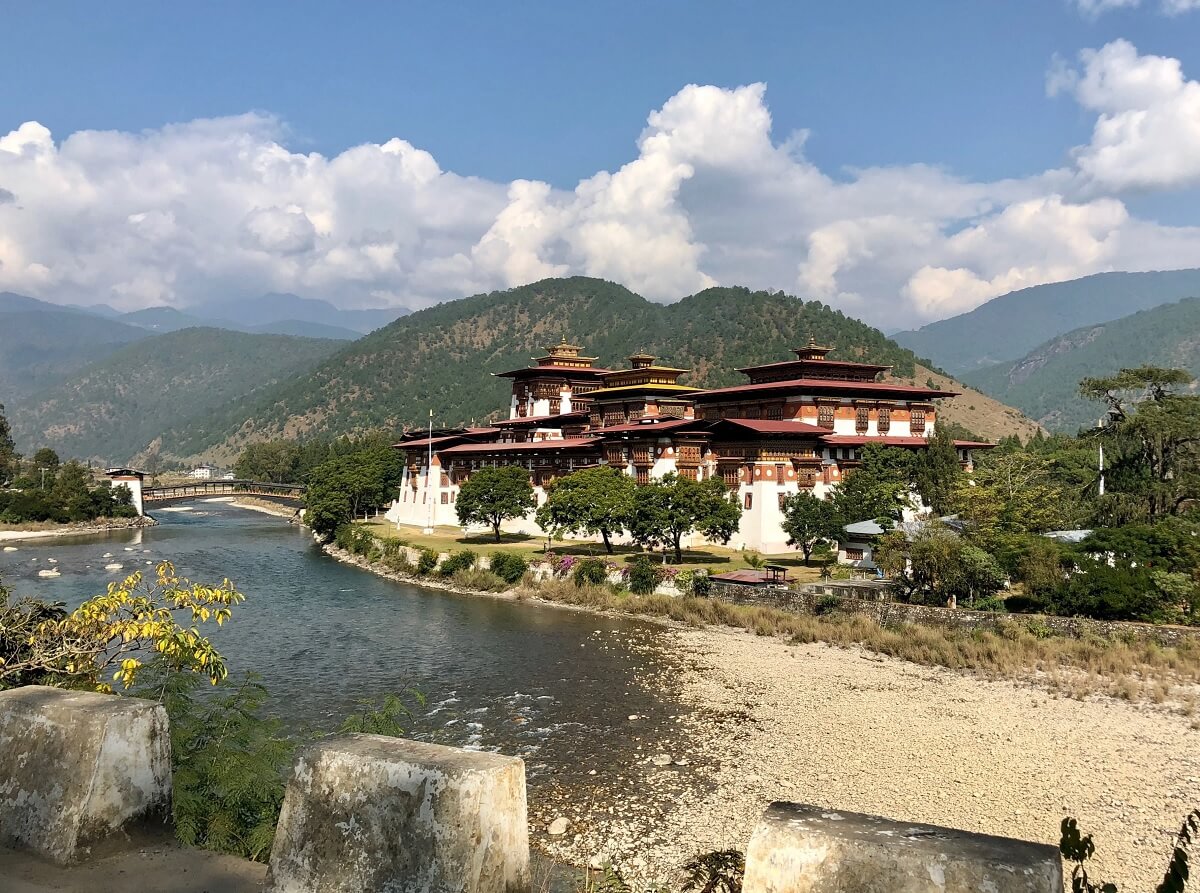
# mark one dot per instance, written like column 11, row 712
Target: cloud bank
column 212, row 209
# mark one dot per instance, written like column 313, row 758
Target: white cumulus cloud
column 219, row 208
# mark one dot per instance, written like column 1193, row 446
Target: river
column 556, row 687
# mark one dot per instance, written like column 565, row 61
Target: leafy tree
column 1012, row 492
column 40, row 643
column 493, row 495
column 936, row 471
column 47, row 459
column 808, row 520
column 591, row 501
column 879, row 489
column 1153, row 435
column 276, row 462
column 342, row 488
column 667, row 510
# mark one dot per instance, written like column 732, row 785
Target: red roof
column 468, row 435
column 593, row 371
column 823, row 384
column 666, row 424
column 773, row 426
column 535, row 420
column 840, row 364
column 529, row 446
column 747, row 576
column 974, row 445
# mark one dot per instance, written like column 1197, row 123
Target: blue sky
column 559, row 92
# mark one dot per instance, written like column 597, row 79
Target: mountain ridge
column 1044, row 382
column 1014, row 324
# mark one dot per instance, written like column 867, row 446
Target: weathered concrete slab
column 804, row 849
column 366, row 813
column 79, row 769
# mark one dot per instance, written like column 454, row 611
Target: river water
column 556, row 687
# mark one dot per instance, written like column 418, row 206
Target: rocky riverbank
column 18, row 532
column 759, row 719
column 843, row 728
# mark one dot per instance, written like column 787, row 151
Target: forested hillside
column 1044, row 383
column 1010, row 326
column 39, row 347
column 159, row 393
column 441, row 358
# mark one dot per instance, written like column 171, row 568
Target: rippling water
column 554, row 686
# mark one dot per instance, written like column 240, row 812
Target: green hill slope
column 440, row 358
column 41, row 347
column 145, row 393
column 1043, row 384
column 1010, row 326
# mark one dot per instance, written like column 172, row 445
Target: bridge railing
column 223, row 488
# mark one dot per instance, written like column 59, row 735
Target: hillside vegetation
column 1044, row 383
column 149, row 393
column 1010, row 326
column 40, row 347
column 441, row 358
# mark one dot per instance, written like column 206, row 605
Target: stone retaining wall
column 819, row 599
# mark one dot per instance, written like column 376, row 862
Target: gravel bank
column 850, row 730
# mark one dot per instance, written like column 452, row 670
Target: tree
column 46, row 459
column 878, row 489
column 808, row 520
column 44, row 644
column 1153, row 435
column 936, row 471
column 1010, row 492
column 342, row 488
column 591, row 501
column 8, row 453
column 667, row 510
column 275, row 462
column 493, row 495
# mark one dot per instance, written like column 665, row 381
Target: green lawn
column 448, row 539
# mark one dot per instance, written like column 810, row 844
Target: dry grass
column 1076, row 667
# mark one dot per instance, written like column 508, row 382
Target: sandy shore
column 74, row 530
column 851, row 730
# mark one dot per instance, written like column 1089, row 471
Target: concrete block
column 804, row 849
column 366, row 813
column 80, row 769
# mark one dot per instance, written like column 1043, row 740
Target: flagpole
column 1101, row 470
column 429, row 479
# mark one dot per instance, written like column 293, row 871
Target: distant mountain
column 1010, row 326
column 40, row 347
column 271, row 308
column 11, row 302
column 141, row 396
column 303, row 329
column 162, row 319
column 1044, row 382
column 442, row 358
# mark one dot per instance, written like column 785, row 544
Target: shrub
column 992, row 603
column 462, row 560
column 509, row 566
column 643, row 576
column 590, row 571
column 827, row 604
column 701, row 584
column 479, row 580
column 427, row 562
column 752, row 558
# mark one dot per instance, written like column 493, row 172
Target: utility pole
column 1101, row 470
column 429, row 479
column 43, row 471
